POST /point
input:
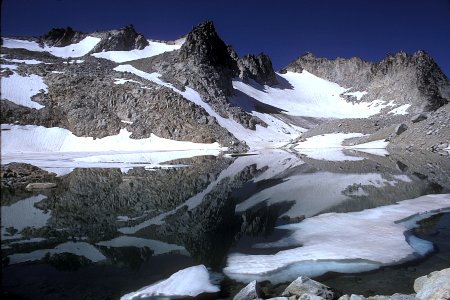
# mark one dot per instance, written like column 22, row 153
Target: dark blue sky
column 282, row 29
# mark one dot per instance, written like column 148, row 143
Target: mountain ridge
column 230, row 88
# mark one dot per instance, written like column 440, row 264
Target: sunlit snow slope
column 304, row 94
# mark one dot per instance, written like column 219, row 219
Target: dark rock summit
column 61, row 37
column 124, row 39
column 206, row 64
column 259, row 68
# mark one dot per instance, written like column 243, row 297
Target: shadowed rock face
column 408, row 79
column 204, row 46
column 259, row 68
column 124, row 39
column 61, row 37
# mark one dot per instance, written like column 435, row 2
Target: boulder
column 304, row 285
column 251, row 291
column 434, row 286
column 400, row 129
column 419, row 117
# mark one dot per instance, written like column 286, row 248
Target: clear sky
column 282, row 29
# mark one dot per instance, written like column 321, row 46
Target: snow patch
column 74, row 50
column 191, row 282
column 153, row 49
column 20, row 89
column 31, row 138
column 25, row 61
column 368, row 236
column 356, row 94
column 401, row 110
column 329, row 147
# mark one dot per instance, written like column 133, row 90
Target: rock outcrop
column 61, row 37
column 206, row 64
column 434, row 286
column 257, row 67
column 123, row 39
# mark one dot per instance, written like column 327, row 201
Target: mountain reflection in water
column 103, row 233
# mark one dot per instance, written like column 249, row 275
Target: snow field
column 31, row 138
column 329, row 147
column 153, row 49
column 74, row 50
column 310, row 96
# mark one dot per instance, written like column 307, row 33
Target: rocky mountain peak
column 257, row 67
column 412, row 79
column 123, row 39
column 61, row 37
column 204, row 45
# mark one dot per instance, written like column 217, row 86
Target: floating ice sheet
column 373, row 237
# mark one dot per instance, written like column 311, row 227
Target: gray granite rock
column 304, row 285
column 434, row 286
column 249, row 292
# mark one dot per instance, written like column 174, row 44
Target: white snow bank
column 20, row 89
column 307, row 95
column 25, row 61
column 153, row 49
column 187, row 282
column 158, row 247
column 373, row 237
column 356, row 94
column 377, row 147
column 259, row 138
column 31, row 138
column 74, row 50
column 329, row 147
column 78, row 248
column 23, row 214
column 401, row 110
column 329, row 140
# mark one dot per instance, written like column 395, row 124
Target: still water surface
column 105, row 232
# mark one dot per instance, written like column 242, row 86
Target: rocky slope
column 206, row 64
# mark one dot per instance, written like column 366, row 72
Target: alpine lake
column 104, row 232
